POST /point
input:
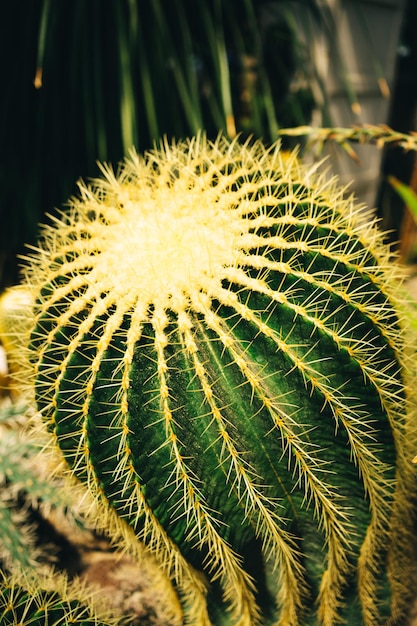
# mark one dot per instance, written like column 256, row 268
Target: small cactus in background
column 49, row 601
column 22, row 488
column 31, row 496
column 216, row 350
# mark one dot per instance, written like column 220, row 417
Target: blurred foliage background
column 86, row 80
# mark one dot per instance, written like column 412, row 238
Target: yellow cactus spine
column 50, row 600
column 217, row 352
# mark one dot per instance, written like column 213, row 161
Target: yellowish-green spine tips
column 49, row 601
column 216, row 350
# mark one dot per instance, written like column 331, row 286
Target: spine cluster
column 27, row 600
column 217, row 352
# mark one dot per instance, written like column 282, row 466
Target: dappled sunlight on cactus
column 216, row 350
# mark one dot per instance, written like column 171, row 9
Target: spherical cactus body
column 217, row 352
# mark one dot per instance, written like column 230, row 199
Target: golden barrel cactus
column 217, row 351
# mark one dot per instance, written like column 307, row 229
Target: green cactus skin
column 24, row 601
column 216, row 352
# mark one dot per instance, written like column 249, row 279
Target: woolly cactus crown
column 217, row 355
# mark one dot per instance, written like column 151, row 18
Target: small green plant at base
column 17, row 539
column 24, row 488
column 216, row 348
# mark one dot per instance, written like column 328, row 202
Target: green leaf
column 406, row 193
